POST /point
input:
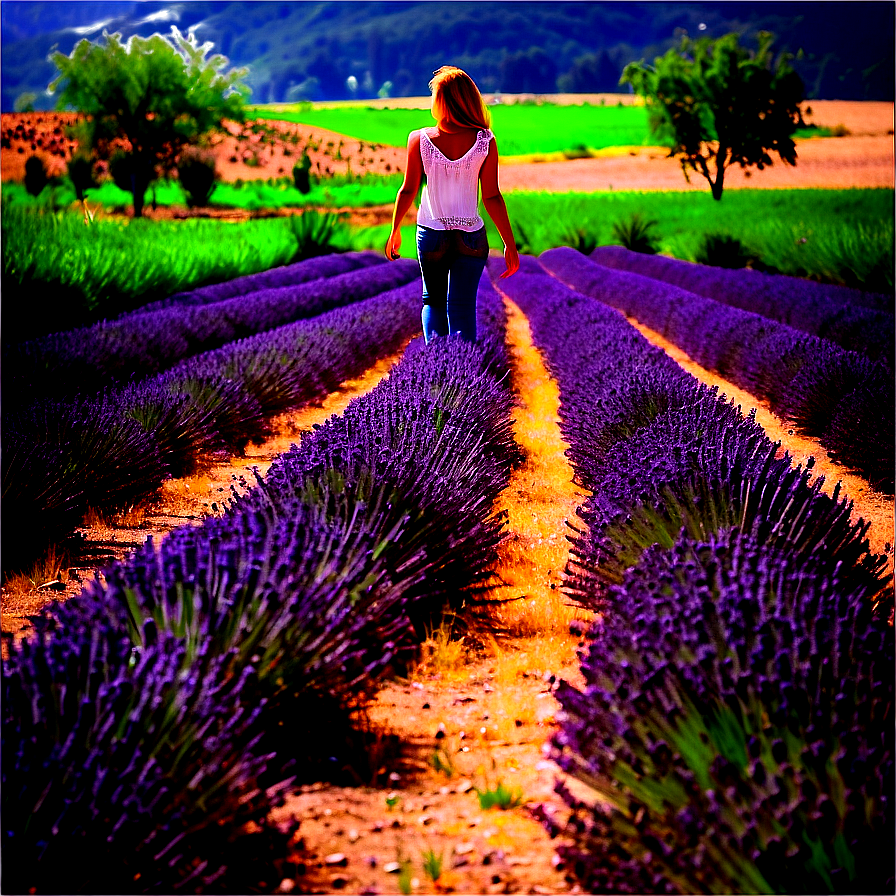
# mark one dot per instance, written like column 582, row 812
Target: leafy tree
column 719, row 104
column 147, row 99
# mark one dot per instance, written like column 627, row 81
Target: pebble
column 392, row 867
column 336, row 858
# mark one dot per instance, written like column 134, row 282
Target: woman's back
column 451, row 196
column 454, row 144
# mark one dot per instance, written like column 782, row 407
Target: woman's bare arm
column 413, row 174
column 497, row 210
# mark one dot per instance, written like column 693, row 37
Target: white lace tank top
column 450, row 198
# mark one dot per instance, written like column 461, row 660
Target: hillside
column 309, row 50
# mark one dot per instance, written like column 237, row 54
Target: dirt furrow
column 471, row 722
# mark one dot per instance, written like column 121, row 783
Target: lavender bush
column 857, row 321
column 274, row 278
column 737, row 726
column 805, row 379
column 62, row 457
column 657, row 451
column 128, row 770
column 138, row 346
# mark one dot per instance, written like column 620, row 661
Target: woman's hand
column 393, row 245
column 511, row 261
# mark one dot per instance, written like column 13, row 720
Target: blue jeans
column 451, row 262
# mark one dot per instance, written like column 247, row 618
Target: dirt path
column 471, row 721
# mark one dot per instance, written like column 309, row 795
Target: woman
column 456, row 156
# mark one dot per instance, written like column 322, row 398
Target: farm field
column 451, row 706
column 671, row 461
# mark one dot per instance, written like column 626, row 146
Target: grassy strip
column 839, row 236
column 84, row 274
column 522, row 128
column 834, row 236
column 339, row 191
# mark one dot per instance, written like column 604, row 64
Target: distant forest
column 339, row 50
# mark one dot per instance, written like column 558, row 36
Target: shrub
column 35, row 175
column 636, row 234
column 197, row 174
column 722, row 250
column 737, row 725
column 80, row 173
column 127, row 770
column 318, row 233
column 301, row 174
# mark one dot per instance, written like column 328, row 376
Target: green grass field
column 841, row 236
column 522, row 129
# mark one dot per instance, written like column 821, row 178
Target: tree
column 147, row 99
column 718, row 104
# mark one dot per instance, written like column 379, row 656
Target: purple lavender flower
column 855, row 320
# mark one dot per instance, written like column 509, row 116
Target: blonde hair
column 457, row 99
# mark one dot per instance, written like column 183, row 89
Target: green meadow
column 839, row 236
column 523, row 129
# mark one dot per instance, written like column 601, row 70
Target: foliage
column 737, row 718
column 501, row 796
column 65, row 456
column 636, row 233
column 836, row 236
column 145, row 100
column 301, row 174
column 805, row 379
column 859, row 321
column 722, row 250
column 319, row 233
column 35, row 175
column 719, row 104
column 84, row 274
column 129, row 771
column 432, row 864
column 733, row 728
column 80, row 173
column 196, row 173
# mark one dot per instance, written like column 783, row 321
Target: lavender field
column 730, row 726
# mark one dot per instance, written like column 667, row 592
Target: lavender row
column 306, row 590
column 714, row 727
column 839, row 397
column 108, row 453
column 131, row 770
column 89, row 359
column 737, row 717
column 274, row 278
column 854, row 320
